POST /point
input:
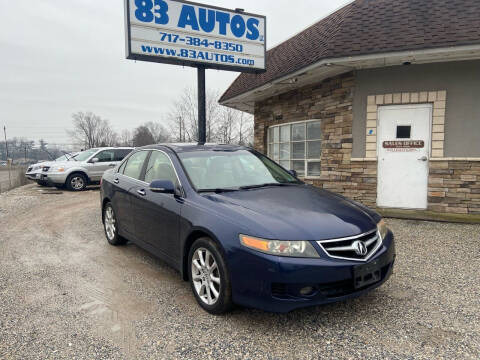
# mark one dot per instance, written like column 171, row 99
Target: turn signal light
column 255, row 243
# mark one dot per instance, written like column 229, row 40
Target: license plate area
column 367, row 274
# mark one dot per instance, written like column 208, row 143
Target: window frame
column 142, row 172
column 291, row 141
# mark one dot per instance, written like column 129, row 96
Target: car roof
column 191, row 147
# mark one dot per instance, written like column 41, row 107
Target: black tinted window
column 121, row 153
column 134, row 165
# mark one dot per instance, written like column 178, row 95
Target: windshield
column 66, row 157
column 210, row 170
column 84, row 155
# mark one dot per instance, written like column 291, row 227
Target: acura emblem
column 360, row 248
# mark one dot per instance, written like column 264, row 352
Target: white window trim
column 290, row 142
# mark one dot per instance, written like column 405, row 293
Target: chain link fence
column 12, row 177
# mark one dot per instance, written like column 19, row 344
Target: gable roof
column 366, row 27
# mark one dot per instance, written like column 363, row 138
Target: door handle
column 423, row 158
column 141, row 192
column 112, row 165
column 116, row 181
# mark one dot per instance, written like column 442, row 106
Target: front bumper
column 55, row 178
column 273, row 283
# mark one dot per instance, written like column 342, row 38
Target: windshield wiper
column 248, row 187
column 218, row 190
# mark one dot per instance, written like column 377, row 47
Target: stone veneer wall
column 331, row 102
column 454, row 187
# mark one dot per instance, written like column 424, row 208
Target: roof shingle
column 370, row 27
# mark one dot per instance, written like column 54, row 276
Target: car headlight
column 280, row 248
column 382, row 228
column 58, row 169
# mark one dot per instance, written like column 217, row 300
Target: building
column 380, row 101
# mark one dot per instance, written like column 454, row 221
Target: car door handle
column 423, row 158
column 116, row 181
column 141, row 192
column 112, row 165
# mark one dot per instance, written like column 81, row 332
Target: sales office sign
column 185, row 33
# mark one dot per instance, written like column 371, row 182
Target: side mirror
column 94, row 160
column 293, row 173
column 162, row 187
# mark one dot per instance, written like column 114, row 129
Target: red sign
column 404, row 144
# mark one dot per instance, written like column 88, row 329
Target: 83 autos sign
column 185, row 33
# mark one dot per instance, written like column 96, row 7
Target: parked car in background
column 34, row 172
column 3, row 163
column 86, row 168
column 243, row 230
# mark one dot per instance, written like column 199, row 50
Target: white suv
column 85, row 169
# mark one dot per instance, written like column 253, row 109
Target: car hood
column 66, row 163
column 297, row 212
column 40, row 165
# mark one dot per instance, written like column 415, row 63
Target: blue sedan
column 243, row 230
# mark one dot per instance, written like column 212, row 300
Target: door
column 126, row 183
column 157, row 215
column 106, row 160
column 403, row 147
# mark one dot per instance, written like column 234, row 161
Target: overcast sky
column 63, row 56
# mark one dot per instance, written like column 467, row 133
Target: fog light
column 307, row 290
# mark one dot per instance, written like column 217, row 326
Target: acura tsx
column 243, row 230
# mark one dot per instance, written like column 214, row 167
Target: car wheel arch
column 195, row 234
column 79, row 172
column 104, row 202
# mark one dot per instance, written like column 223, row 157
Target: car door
column 157, row 221
column 127, row 182
column 106, row 160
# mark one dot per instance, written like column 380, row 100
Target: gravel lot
column 66, row 294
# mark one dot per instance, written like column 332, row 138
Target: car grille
column 350, row 248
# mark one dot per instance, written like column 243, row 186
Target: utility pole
column 8, row 162
column 180, row 125
column 6, row 144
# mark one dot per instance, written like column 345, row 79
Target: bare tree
column 125, row 138
column 159, row 133
column 91, row 130
column 142, row 136
column 224, row 125
column 184, row 116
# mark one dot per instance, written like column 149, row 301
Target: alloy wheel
column 110, row 224
column 206, row 276
column 77, row 183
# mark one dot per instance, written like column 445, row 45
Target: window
column 134, row 165
column 404, row 132
column 297, row 146
column 159, row 168
column 121, row 153
column 84, row 155
column 105, row 156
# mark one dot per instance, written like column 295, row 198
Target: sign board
column 404, row 144
column 184, row 33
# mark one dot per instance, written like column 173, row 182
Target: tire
column 110, row 226
column 218, row 300
column 76, row 182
